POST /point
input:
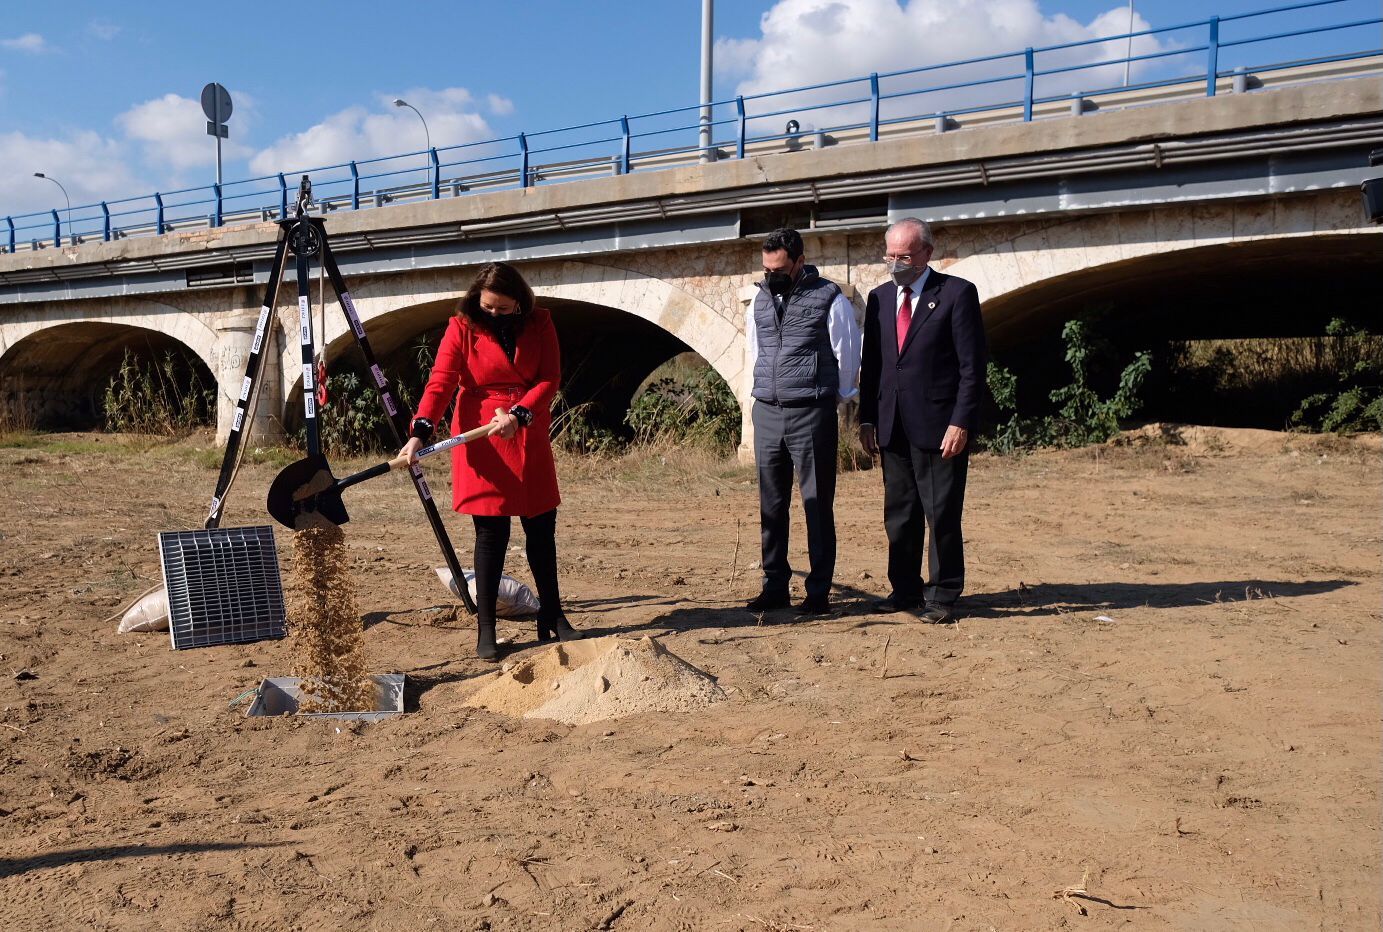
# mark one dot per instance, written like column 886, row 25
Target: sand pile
column 328, row 638
column 598, row 679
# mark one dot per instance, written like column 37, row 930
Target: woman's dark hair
column 503, row 279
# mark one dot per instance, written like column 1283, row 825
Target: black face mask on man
column 778, row 283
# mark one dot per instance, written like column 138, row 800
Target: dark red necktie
column 904, row 317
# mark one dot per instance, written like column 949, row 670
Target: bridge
column 1174, row 199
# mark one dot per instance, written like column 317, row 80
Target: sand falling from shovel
column 328, row 639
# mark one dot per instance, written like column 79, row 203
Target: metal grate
column 223, row 586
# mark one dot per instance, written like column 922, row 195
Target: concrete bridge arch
column 54, row 358
column 1034, row 271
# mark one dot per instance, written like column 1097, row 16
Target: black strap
column 249, row 387
column 309, row 376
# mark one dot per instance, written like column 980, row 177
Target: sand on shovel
column 328, row 638
column 598, row 679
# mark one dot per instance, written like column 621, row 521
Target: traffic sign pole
column 216, row 104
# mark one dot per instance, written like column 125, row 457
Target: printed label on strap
column 245, row 388
column 348, row 305
column 307, row 376
column 421, row 482
column 305, row 319
column 259, row 330
column 379, row 375
column 389, row 404
column 309, row 408
column 239, row 419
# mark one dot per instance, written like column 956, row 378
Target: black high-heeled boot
column 557, row 629
column 485, row 646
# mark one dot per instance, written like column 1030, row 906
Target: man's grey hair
column 921, row 228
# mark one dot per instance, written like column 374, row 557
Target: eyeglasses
column 909, row 257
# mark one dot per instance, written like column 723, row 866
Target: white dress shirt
column 846, row 342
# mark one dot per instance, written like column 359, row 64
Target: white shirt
column 846, row 342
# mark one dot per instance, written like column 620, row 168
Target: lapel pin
column 931, row 305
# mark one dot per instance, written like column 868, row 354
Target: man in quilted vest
column 804, row 349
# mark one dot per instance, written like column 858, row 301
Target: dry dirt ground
column 1166, row 688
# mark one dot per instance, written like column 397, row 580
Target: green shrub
column 1083, row 417
column 1356, row 404
column 1010, row 436
column 699, row 410
column 164, row 395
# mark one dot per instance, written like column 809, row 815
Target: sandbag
column 148, row 613
column 515, row 599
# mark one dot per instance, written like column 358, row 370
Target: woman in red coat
column 500, row 358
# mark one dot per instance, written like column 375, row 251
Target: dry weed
column 1068, row 894
column 654, row 467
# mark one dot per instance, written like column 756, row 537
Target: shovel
column 307, row 486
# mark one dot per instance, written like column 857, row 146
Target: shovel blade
column 306, row 487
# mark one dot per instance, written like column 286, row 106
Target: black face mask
column 779, row 283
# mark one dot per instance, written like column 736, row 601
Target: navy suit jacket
column 937, row 379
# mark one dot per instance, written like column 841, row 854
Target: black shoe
column 814, row 605
column 485, row 646
column 894, row 604
column 938, row 614
column 559, row 629
column 768, row 601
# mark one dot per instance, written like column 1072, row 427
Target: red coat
column 493, row 476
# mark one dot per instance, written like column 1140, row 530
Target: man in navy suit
column 921, row 381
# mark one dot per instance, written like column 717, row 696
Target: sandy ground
column 1166, row 685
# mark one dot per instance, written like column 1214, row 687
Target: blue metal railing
column 1013, row 85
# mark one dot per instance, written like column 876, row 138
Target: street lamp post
column 400, row 102
column 707, row 44
column 1128, row 55
column 55, row 181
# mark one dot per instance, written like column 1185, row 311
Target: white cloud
column 103, row 29
column 359, row 133
column 29, row 42
column 90, row 166
column 500, row 106
column 159, row 142
column 172, row 131
column 804, row 42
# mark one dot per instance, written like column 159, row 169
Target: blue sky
column 102, row 95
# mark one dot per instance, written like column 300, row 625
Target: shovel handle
column 399, row 462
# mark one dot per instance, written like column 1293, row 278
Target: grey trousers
column 803, row 439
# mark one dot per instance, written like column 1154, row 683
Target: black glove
column 422, row 429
